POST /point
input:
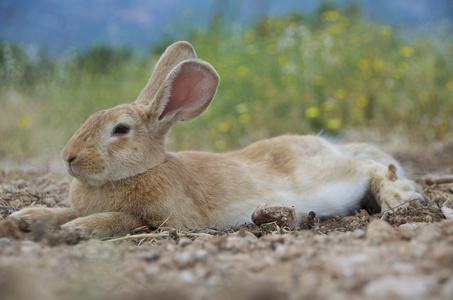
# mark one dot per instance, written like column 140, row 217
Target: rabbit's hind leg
column 390, row 191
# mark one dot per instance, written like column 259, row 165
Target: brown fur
column 126, row 180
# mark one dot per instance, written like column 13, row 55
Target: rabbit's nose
column 72, row 159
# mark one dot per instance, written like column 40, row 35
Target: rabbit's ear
column 186, row 93
column 174, row 54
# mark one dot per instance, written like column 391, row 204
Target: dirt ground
column 403, row 255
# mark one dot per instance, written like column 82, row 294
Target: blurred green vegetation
column 333, row 72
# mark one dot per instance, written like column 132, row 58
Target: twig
column 140, row 228
column 140, row 236
column 164, row 222
column 194, row 234
column 155, row 235
column 436, row 179
column 447, row 195
column 399, row 205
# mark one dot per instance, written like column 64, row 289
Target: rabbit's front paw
column 27, row 216
column 103, row 225
column 80, row 228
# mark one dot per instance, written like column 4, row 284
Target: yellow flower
column 249, row 37
column 220, row 145
column 334, row 124
column 312, row 112
column 319, row 80
column 340, row 94
column 443, row 125
column 386, row 31
column 244, row 118
column 328, row 106
column 363, row 64
column 243, row 71
column 272, row 48
column 362, row 102
column 374, row 83
column 280, row 25
column 283, row 60
column 24, row 122
column 212, row 133
column 450, row 85
column 378, row 65
column 330, row 15
column 225, row 126
column 402, row 66
column 344, row 21
column 424, row 96
column 407, row 51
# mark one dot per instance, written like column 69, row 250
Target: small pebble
column 379, row 232
column 358, row 233
column 5, row 242
column 406, row 287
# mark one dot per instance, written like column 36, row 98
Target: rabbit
column 124, row 178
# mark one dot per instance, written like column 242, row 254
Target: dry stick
column 436, row 179
column 139, row 236
column 448, row 195
column 164, row 222
column 445, row 194
column 140, row 228
column 155, row 235
column 399, row 205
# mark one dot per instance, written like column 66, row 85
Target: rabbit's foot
column 52, row 217
column 392, row 192
column 103, row 225
column 80, row 229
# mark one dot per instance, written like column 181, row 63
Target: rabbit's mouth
column 71, row 171
column 92, row 180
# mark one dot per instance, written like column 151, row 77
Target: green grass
column 332, row 73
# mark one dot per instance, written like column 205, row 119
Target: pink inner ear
column 187, row 94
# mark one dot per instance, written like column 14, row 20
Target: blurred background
column 367, row 70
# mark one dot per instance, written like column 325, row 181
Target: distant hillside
column 79, row 24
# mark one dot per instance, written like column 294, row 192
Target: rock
column 429, row 234
column 309, row 222
column 184, row 259
column 30, row 248
column 283, row 216
column 379, row 232
column 412, row 226
column 183, row 242
column 443, row 255
column 5, row 242
column 345, row 266
column 406, row 287
column 447, row 211
column 245, row 234
column 358, row 233
column 405, row 233
column 447, row 226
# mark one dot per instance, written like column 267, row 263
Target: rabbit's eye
column 121, row 130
